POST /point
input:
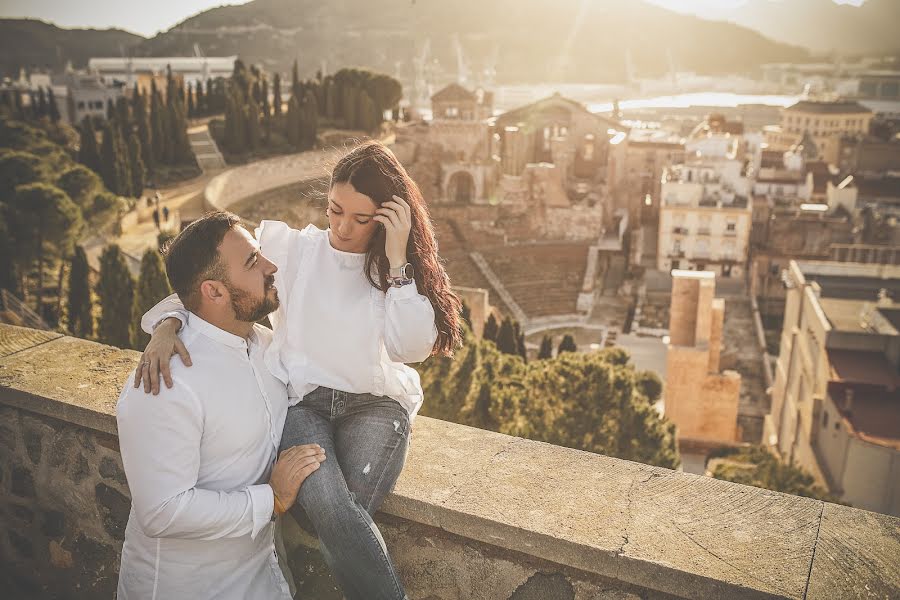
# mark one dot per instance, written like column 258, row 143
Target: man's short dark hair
column 193, row 256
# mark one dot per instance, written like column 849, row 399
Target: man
column 200, row 457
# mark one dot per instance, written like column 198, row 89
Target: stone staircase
column 504, row 294
column 208, row 156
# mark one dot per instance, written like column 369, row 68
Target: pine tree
column 152, row 286
column 81, row 318
column 88, row 153
column 45, row 222
column 491, row 328
column 546, row 350
column 567, row 345
column 506, row 338
column 116, row 293
column 276, row 95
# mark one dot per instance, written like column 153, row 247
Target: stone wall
column 475, row 514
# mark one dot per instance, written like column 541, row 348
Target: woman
column 358, row 300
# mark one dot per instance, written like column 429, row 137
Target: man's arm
column 159, row 439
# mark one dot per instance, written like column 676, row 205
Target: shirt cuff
column 262, row 504
column 404, row 292
column 173, row 314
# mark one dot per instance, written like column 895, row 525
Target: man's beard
column 249, row 309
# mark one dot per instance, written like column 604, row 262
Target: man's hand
column 155, row 360
column 291, row 469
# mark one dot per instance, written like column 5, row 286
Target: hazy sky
column 147, row 18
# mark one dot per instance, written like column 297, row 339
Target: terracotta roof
column 829, row 108
column 454, row 91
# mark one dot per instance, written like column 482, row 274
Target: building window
column 81, row 105
column 824, row 420
column 730, row 226
column 588, row 153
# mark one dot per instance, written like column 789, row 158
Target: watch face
column 408, row 271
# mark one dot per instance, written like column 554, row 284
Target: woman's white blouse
column 333, row 328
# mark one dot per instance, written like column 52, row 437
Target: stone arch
column 461, row 187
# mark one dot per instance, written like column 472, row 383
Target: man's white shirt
column 197, row 458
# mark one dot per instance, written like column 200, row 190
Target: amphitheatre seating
column 464, row 273
column 544, row 279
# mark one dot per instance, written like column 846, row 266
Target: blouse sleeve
column 409, row 328
column 170, row 306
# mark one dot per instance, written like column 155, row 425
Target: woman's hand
column 155, row 360
column 396, row 217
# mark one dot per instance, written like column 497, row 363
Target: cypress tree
column 276, row 95
column 567, row 345
column 200, row 106
column 88, row 153
column 465, row 313
column 252, row 120
column 108, row 160
column 152, row 286
column 191, row 110
column 139, row 109
column 42, row 109
column 293, row 124
column 116, row 292
column 157, row 125
column 266, row 113
column 136, row 165
column 110, row 110
column 546, row 350
column 53, row 106
column 310, row 120
column 295, row 78
column 506, row 338
column 491, row 328
column 81, row 318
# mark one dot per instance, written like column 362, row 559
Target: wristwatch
column 402, row 275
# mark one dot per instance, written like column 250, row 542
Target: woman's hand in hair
column 155, row 360
column 396, row 217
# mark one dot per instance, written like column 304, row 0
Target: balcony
column 475, row 514
column 680, row 230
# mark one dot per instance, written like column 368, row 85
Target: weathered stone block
column 33, row 445
column 22, row 513
column 79, row 468
column 22, row 483
column 111, row 469
column 114, row 507
column 97, row 564
column 21, row 544
column 54, row 523
column 541, row 586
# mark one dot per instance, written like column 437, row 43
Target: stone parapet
column 475, row 514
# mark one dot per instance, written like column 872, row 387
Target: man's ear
column 213, row 291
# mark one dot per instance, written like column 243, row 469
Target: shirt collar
column 217, row 334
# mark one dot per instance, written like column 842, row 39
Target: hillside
column 525, row 41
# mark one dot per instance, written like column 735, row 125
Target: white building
column 191, row 69
column 705, row 217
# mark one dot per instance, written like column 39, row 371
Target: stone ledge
column 670, row 532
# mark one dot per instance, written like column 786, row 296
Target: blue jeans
column 366, row 439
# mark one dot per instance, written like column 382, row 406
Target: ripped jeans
column 366, row 439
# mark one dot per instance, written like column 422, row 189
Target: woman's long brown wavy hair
column 372, row 169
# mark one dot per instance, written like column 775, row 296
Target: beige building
column 705, row 218
column 827, row 122
column 836, row 397
column 647, row 154
column 700, row 399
